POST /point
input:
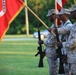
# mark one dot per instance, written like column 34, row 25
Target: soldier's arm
column 64, row 30
column 70, row 44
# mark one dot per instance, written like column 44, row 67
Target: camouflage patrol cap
column 50, row 12
column 64, row 11
column 73, row 8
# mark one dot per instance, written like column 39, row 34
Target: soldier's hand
column 64, row 59
column 43, row 54
column 51, row 29
column 59, row 44
column 40, row 42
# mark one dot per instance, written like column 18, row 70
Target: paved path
column 17, row 39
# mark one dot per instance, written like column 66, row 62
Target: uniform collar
column 68, row 21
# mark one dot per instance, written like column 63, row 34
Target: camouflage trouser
column 53, row 66
column 66, row 69
column 72, row 68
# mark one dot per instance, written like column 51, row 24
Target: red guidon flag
column 9, row 9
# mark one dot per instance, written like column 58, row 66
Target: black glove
column 64, row 59
column 40, row 42
column 59, row 44
column 43, row 54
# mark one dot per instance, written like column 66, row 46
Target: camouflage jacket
column 50, row 44
column 71, row 45
column 64, row 31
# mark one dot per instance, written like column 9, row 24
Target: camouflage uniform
column 64, row 31
column 65, row 28
column 64, row 34
column 71, row 50
column 50, row 44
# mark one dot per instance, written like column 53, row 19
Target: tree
column 18, row 25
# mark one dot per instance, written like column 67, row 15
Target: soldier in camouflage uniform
column 66, row 25
column 64, row 31
column 71, row 53
column 50, row 44
column 70, row 45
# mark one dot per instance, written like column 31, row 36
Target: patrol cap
column 50, row 12
column 73, row 8
column 64, row 11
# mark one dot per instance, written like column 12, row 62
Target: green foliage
column 40, row 7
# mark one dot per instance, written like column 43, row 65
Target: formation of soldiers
column 67, row 35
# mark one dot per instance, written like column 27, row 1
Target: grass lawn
column 18, row 58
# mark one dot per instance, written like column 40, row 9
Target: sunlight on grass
column 11, row 52
column 18, row 58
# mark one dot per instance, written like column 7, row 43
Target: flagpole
column 38, row 18
column 26, row 17
column 56, row 7
column 56, row 13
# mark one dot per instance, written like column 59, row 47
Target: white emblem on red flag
column 9, row 9
column 2, row 12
